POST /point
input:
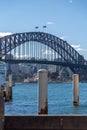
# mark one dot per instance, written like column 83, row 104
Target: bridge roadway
column 66, row 64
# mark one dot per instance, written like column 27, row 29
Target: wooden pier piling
column 43, row 95
column 2, row 90
column 1, row 109
column 10, row 86
column 7, row 98
column 75, row 89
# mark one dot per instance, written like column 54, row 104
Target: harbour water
column 60, row 99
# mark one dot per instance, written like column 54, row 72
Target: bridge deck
column 46, row 122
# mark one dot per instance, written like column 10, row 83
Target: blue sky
column 64, row 18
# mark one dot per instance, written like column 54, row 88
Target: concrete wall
column 46, row 122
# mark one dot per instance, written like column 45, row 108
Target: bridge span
column 41, row 48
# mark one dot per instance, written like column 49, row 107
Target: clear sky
column 64, row 18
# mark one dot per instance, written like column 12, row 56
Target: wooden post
column 75, row 89
column 10, row 85
column 2, row 90
column 7, row 92
column 43, row 96
column 1, row 109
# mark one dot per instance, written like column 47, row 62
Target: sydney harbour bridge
column 41, row 48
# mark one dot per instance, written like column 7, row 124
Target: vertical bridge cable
column 15, row 53
column 27, row 50
column 38, row 49
column 30, row 49
column 36, row 43
column 19, row 51
column 46, row 52
column 34, row 49
column 23, row 50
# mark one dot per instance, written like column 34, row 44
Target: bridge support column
column 76, row 89
column 1, row 109
column 43, row 92
column 10, row 85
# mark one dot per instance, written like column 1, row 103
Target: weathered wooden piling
column 7, row 98
column 43, row 94
column 76, row 89
column 2, row 90
column 10, row 86
column 1, row 109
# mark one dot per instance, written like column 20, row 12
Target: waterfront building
column 52, row 68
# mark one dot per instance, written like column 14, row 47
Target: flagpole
column 44, row 27
column 36, row 28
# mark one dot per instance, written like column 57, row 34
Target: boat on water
column 31, row 80
column 2, row 73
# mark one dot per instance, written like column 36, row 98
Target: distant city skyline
column 66, row 19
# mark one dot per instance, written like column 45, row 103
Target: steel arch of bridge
column 67, row 52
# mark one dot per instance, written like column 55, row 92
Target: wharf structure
column 56, row 52
column 43, row 121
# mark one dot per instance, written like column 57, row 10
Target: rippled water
column 25, row 99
